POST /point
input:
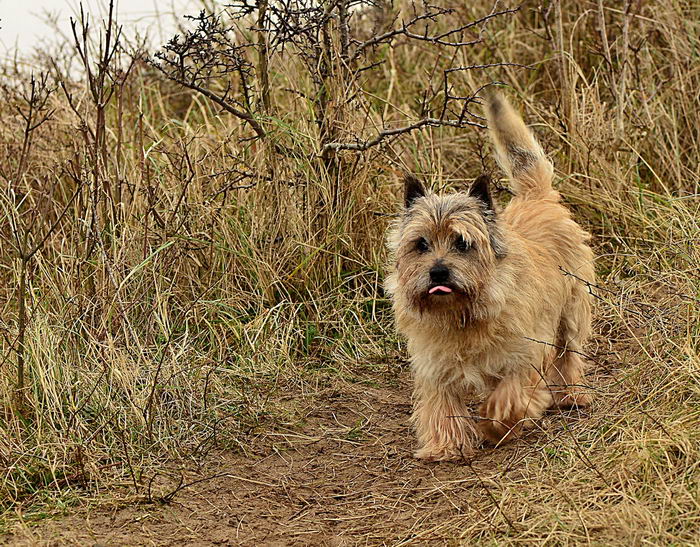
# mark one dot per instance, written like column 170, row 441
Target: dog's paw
column 574, row 398
column 497, row 427
column 495, row 432
column 452, row 453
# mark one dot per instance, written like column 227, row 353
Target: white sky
column 22, row 26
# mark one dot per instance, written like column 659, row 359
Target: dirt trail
column 347, row 478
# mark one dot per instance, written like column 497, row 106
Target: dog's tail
column 517, row 151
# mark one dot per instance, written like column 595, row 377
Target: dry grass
column 169, row 312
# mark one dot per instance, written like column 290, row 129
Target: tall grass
column 185, row 273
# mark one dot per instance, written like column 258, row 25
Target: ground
column 347, row 477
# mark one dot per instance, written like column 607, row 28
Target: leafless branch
column 386, row 133
column 430, row 13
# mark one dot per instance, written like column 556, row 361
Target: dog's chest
column 473, row 356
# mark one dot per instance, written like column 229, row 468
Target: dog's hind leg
column 566, row 375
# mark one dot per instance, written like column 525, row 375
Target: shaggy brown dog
column 492, row 304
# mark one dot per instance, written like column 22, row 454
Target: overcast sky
column 22, row 25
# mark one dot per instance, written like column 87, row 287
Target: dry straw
column 188, row 239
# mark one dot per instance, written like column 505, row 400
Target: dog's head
column 446, row 248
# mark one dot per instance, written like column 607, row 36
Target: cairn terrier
column 493, row 304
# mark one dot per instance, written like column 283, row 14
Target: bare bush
column 338, row 55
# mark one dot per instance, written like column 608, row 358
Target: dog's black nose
column 439, row 273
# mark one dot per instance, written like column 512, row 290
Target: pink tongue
column 440, row 288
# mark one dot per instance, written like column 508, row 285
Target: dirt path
column 347, row 478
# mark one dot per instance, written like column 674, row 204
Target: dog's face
column 446, row 248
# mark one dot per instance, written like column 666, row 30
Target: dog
column 493, row 304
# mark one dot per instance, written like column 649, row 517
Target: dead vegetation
column 192, row 260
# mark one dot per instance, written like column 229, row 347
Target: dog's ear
column 481, row 191
column 412, row 190
column 496, row 240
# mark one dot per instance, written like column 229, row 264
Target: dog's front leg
column 444, row 433
column 517, row 400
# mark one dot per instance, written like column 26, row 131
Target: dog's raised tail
column 517, row 151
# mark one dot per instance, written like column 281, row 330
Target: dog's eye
column 422, row 245
column 461, row 245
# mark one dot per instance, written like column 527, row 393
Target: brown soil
column 345, row 478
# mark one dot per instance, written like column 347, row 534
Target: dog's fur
column 519, row 313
